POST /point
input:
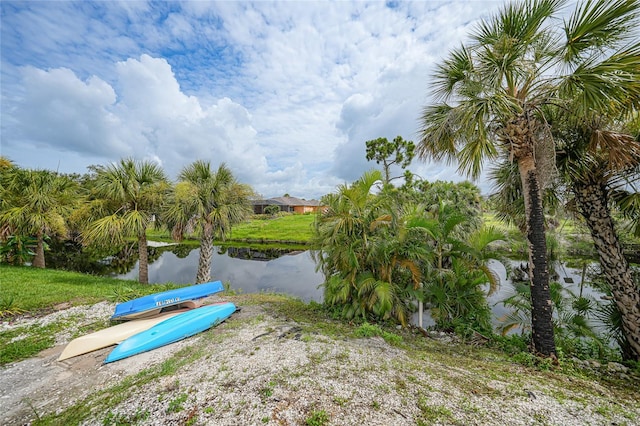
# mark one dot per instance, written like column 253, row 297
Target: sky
column 285, row 93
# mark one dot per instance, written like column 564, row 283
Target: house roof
column 287, row 201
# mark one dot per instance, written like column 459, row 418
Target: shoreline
column 273, row 363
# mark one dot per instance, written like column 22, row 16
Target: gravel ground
column 258, row 368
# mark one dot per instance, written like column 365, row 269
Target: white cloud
column 58, row 109
column 152, row 118
column 285, row 93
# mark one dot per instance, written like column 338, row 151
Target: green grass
column 490, row 219
column 32, row 289
column 286, row 228
column 39, row 291
column 317, row 418
column 25, row 342
column 296, row 228
column 370, row 330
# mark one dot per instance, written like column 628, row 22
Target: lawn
column 296, row 228
column 284, row 229
column 29, row 289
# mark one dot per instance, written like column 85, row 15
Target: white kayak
column 113, row 335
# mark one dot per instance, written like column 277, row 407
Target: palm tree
column 497, row 85
column 36, row 203
column 368, row 252
column 595, row 158
column 7, row 170
column 131, row 193
column 595, row 162
column 459, row 269
column 598, row 153
column 208, row 200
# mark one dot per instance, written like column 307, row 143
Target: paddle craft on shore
column 172, row 330
column 153, row 304
column 112, row 335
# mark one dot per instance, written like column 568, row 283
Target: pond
column 294, row 274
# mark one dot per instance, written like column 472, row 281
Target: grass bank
column 30, row 290
column 37, row 292
column 294, row 228
column 291, row 230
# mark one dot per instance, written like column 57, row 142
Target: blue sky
column 286, row 93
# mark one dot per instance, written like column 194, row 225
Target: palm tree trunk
column 38, row 259
column 592, row 199
column 206, row 253
column 543, row 339
column 143, row 263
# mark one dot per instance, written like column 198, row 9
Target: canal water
column 292, row 273
column 295, row 274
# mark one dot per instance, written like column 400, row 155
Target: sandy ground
column 41, row 385
column 260, row 369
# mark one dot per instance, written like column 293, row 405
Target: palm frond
column 453, row 72
column 596, row 25
column 438, row 136
column 608, row 85
column 621, row 150
column 108, row 230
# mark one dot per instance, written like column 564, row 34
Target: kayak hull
column 153, row 304
column 112, row 335
column 176, row 328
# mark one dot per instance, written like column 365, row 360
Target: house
column 287, row 204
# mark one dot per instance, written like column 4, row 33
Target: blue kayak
column 157, row 302
column 172, row 330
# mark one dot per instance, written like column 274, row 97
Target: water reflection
column 293, row 274
column 571, row 279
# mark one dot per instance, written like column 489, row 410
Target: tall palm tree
column 36, row 203
column 208, row 200
column 595, row 162
column 131, row 193
column 490, row 96
column 594, row 157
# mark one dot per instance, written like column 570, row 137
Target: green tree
column 464, row 195
column 130, row 194
column 399, row 152
column 595, row 158
column 598, row 153
column 7, row 170
column 208, row 200
column 498, row 85
column 459, row 269
column 370, row 268
column 36, row 203
column 378, row 250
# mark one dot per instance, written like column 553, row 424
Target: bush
column 458, row 302
column 272, row 210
